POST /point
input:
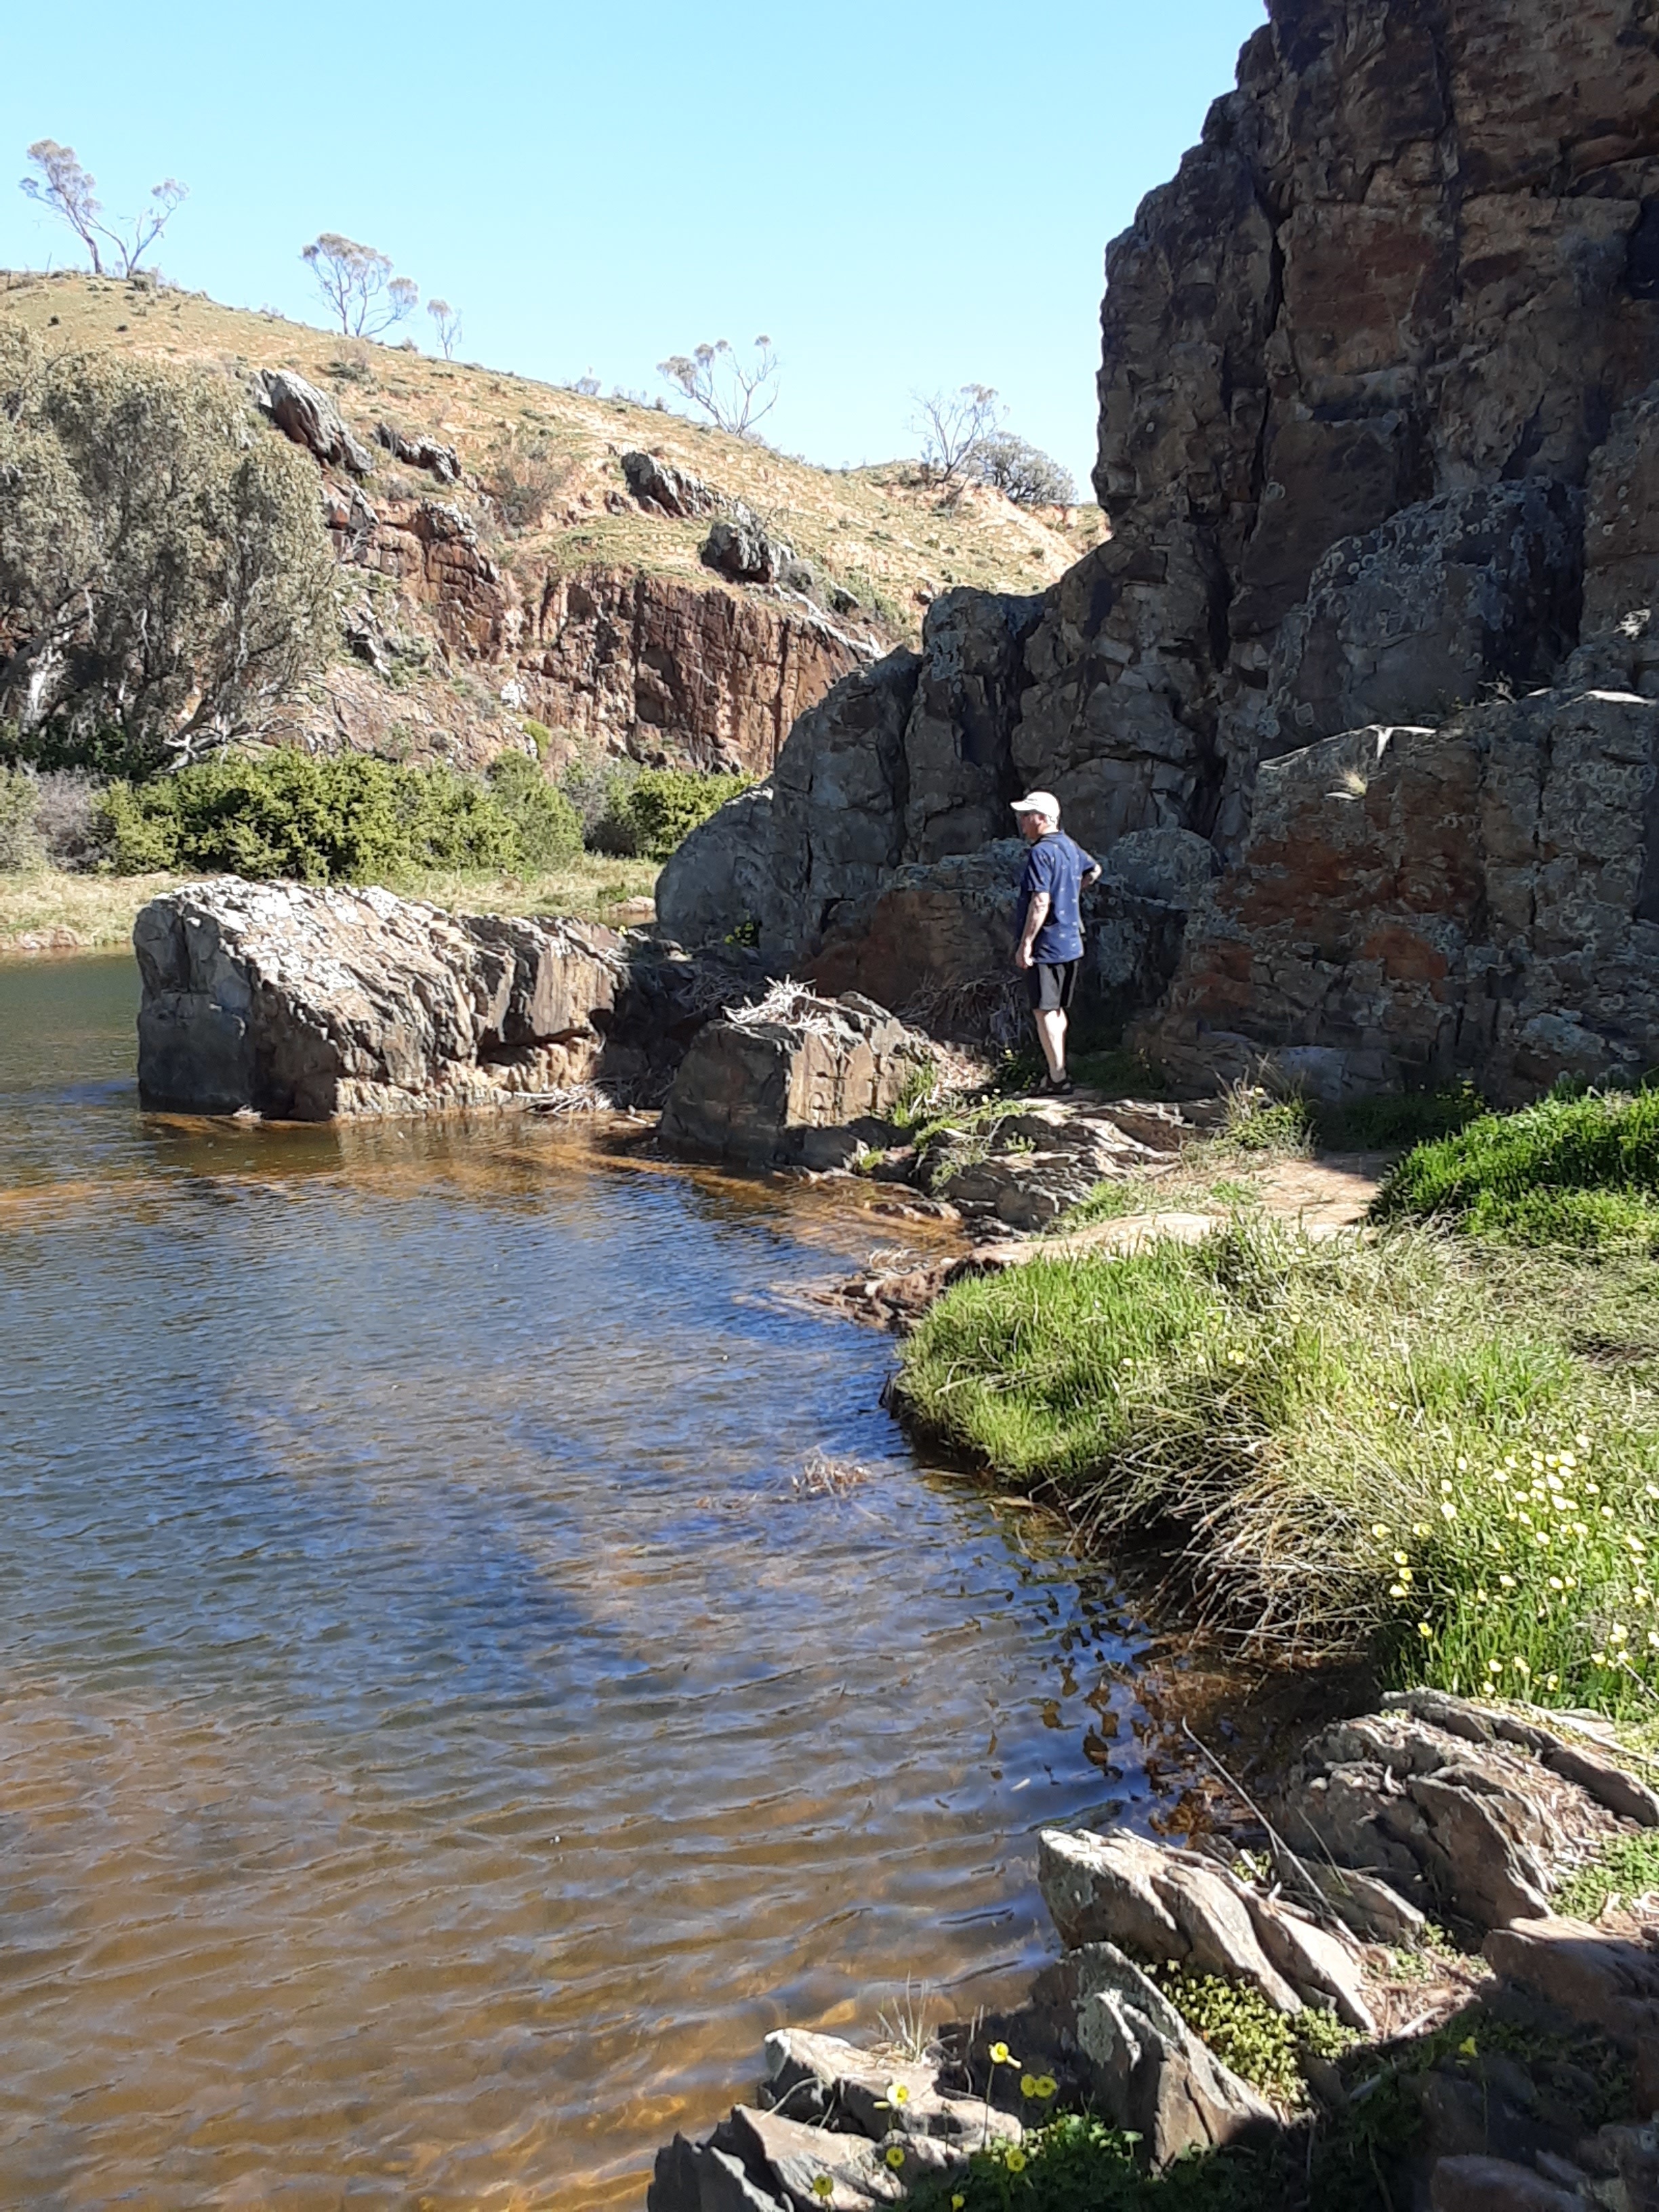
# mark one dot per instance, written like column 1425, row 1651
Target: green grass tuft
column 1579, row 1172
column 1362, row 1447
column 1627, row 1868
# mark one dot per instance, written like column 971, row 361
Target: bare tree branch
column 357, row 282
column 715, row 378
column 449, row 327
column 69, row 192
column 952, row 424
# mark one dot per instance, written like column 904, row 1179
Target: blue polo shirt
column 1058, row 867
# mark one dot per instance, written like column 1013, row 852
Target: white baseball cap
column 1039, row 802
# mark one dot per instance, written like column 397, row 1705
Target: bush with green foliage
column 1022, row 471
column 651, row 816
column 351, row 820
column 1575, row 1171
column 164, row 576
column 547, row 827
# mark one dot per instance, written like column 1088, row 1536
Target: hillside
column 538, row 586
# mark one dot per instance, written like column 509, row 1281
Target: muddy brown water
column 436, row 1742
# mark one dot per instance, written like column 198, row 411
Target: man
column 1050, row 948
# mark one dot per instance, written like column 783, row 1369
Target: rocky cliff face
column 1377, row 441
column 617, row 658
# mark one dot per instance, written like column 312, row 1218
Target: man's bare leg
column 1051, row 1036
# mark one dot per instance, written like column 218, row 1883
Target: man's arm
column 1036, row 914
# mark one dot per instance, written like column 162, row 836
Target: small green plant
column 1257, row 1123
column 1627, row 1868
column 746, row 933
column 1261, row 2045
column 539, row 736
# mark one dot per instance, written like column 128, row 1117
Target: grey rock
column 738, row 548
column 958, row 763
column 752, row 1085
column 1183, row 1908
column 658, row 485
column 1450, row 1821
column 1621, row 519
column 1441, row 601
column 420, row 452
column 691, row 2176
column 1175, row 867
column 1416, row 905
column 1373, row 1909
column 819, row 833
column 1148, row 2070
column 310, row 419
column 312, row 1005
column 1480, row 2183
column 822, row 2078
column 790, row 2155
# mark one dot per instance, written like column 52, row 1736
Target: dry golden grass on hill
column 879, row 531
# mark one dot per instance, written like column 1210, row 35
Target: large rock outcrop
column 1378, row 399
column 316, row 1005
column 1412, row 905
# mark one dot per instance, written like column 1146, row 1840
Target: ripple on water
column 437, row 1745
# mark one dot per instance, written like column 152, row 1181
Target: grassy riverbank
column 98, row 911
column 1437, row 1445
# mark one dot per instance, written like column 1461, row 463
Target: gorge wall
column 617, row 658
column 1377, row 443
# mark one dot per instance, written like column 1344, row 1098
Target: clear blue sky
column 902, row 194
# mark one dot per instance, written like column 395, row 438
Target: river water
column 437, row 1738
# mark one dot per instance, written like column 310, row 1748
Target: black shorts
column 1051, row 984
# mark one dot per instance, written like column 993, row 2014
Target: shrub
column 598, row 790
column 67, row 818
column 1359, row 1449
column 21, row 845
column 523, row 473
column 1022, row 471
column 546, row 825
column 650, row 817
column 352, row 820
column 165, row 578
column 1410, row 1117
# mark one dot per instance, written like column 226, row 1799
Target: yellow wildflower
column 1002, row 2056
column 822, row 2186
column 1423, row 1629
column 1028, row 2084
column 1046, row 2086
column 1016, row 2160
column 898, row 2092
column 894, row 2156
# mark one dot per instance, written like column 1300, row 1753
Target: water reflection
column 437, row 1741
